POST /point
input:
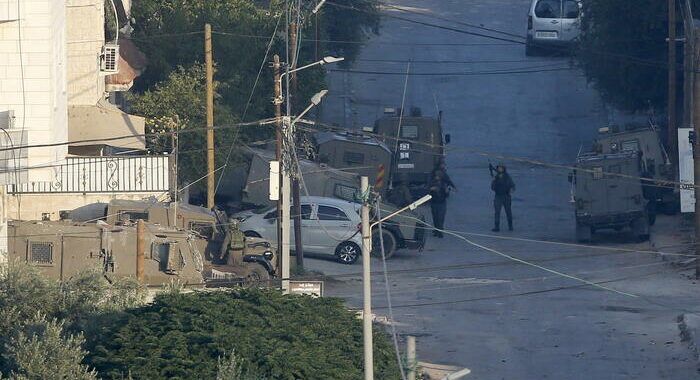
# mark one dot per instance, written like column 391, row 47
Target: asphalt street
column 472, row 306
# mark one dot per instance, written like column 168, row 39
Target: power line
column 621, row 57
column 494, row 155
column 500, row 72
column 186, row 130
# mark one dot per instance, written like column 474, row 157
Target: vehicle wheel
column 252, row 234
column 640, row 228
column 529, row 50
column 584, row 233
column 390, row 244
column 348, row 252
column 256, row 276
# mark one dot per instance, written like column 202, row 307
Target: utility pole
column 672, row 127
column 695, row 123
column 296, row 196
column 367, row 283
column 285, row 169
column 278, row 148
column 411, row 357
column 210, row 116
column 140, row 248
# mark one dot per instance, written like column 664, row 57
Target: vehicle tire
column 529, row 50
column 252, row 234
column 640, row 228
column 348, row 252
column 390, row 244
column 256, row 276
column 584, row 233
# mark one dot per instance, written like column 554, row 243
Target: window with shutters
column 41, row 252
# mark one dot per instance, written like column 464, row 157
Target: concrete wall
column 85, row 38
column 85, row 122
column 33, row 76
column 33, row 206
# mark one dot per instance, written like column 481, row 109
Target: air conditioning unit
column 109, row 59
column 7, row 119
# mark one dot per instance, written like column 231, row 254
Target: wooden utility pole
column 672, row 122
column 296, row 196
column 278, row 149
column 140, row 248
column 210, row 116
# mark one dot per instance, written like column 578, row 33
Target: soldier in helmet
column 234, row 241
column 401, row 194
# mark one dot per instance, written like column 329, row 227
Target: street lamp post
column 287, row 127
column 367, row 339
column 286, row 169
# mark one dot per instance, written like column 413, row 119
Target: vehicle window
column 271, row 215
column 571, row 9
column 548, row 8
column 205, row 229
column 353, row 158
column 132, row 216
column 344, row 192
column 331, row 213
column 409, row 132
column 597, row 172
column 305, row 212
column 630, row 145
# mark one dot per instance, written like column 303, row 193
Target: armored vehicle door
column 591, row 189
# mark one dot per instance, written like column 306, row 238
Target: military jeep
column 608, row 194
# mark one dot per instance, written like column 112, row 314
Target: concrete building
column 57, row 71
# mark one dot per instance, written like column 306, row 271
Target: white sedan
column 329, row 226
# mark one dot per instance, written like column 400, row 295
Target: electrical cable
column 494, row 155
column 387, row 288
column 620, row 57
column 187, row 130
column 247, row 105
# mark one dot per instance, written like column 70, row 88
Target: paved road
column 501, row 319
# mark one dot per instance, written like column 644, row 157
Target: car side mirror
column 448, row 138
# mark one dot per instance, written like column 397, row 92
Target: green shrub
column 42, row 351
column 182, row 336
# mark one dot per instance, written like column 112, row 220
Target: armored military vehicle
column 416, row 143
column 320, row 179
column 224, row 257
column 355, row 153
column 605, row 200
column 643, row 139
column 63, row 248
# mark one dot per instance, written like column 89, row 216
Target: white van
column 552, row 23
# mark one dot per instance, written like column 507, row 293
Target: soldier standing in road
column 502, row 185
column 438, row 204
column 441, row 168
column 401, row 195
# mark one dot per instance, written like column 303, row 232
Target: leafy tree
column 170, row 33
column 624, row 51
column 179, row 103
column 181, row 336
column 231, row 368
column 42, row 351
column 26, row 292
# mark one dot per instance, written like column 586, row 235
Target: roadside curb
column 689, row 326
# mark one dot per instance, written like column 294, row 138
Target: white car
column 329, row 226
column 552, row 23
